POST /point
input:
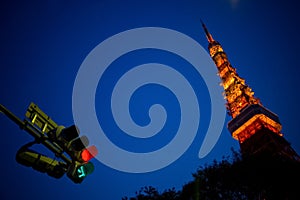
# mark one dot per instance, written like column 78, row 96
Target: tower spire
column 208, row 35
column 237, row 93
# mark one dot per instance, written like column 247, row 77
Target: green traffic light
column 85, row 169
column 81, row 172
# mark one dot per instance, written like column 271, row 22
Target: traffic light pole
column 36, row 133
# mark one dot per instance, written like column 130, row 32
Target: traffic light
column 76, row 147
column 78, row 171
column 41, row 163
column 58, row 139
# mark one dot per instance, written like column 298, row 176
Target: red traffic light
column 89, row 153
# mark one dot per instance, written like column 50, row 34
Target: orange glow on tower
column 237, row 93
column 251, row 121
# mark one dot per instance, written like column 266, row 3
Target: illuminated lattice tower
column 257, row 129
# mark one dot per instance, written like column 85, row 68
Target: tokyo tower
column 257, row 129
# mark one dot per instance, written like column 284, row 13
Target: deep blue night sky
column 44, row 44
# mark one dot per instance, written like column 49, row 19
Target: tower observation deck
column 257, row 129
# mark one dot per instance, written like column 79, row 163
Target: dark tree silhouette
column 235, row 177
column 151, row 193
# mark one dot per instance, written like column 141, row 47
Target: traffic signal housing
column 58, row 139
column 77, row 148
column 41, row 163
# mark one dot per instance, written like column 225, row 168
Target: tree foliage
column 151, row 193
column 236, row 178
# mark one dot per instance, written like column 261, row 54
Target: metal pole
column 35, row 133
column 11, row 116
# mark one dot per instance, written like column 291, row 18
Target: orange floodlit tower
column 255, row 127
